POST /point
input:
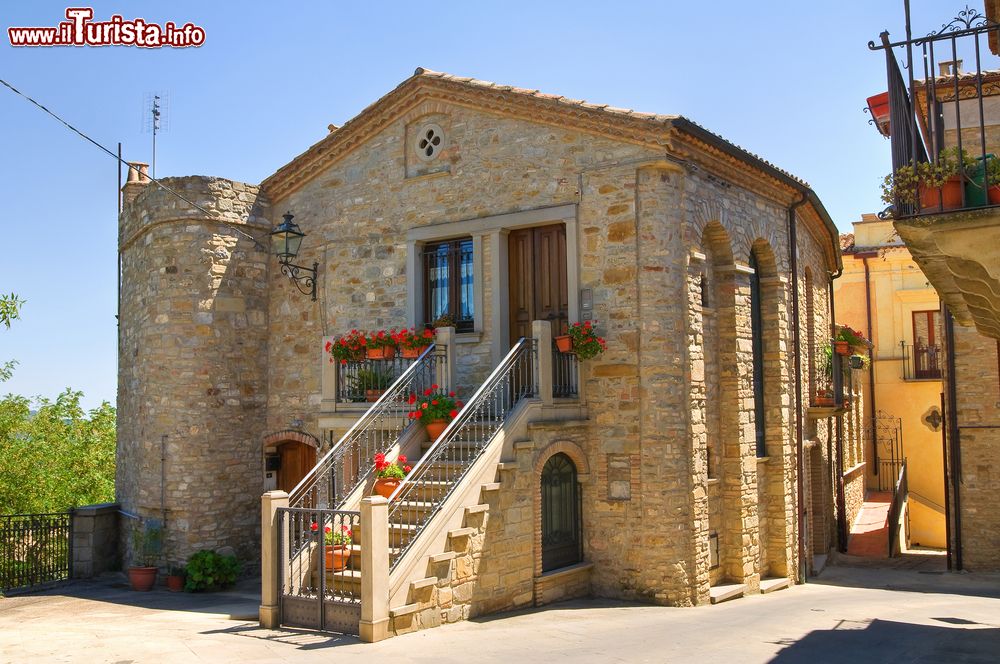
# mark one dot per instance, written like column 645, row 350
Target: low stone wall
column 563, row 584
column 854, row 493
column 95, row 540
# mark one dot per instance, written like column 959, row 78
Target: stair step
column 404, row 610
column 477, row 509
column 492, row 486
column 443, row 557
column 771, row 585
column 726, row 591
column 423, row 583
column 461, row 532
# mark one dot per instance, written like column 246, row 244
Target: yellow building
column 883, row 294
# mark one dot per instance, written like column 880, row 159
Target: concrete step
column 773, row 584
column 726, row 591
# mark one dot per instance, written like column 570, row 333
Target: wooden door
column 297, row 459
column 537, row 277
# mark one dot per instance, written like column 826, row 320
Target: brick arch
column 579, row 459
column 292, row 435
column 762, row 238
column 425, row 108
column 710, row 213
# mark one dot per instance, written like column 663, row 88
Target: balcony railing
column 565, row 374
column 363, row 381
column 921, row 362
column 831, row 393
column 936, row 106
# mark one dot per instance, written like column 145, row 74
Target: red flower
column 424, row 406
column 407, row 469
column 343, row 361
column 453, row 414
column 451, row 394
column 433, row 387
column 428, row 334
column 401, row 459
column 412, row 399
column 434, row 402
column 328, row 529
column 346, row 529
column 314, row 526
column 329, row 345
column 458, row 403
column 428, row 392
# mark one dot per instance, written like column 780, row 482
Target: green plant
column 348, row 348
column 586, row 343
column 852, row 336
column 207, row 570
column 905, row 182
column 392, row 469
column 342, row 537
column 444, row 320
column 434, row 405
column 826, row 361
column 372, row 379
column 147, row 540
column 992, row 171
column 412, row 340
column 175, row 570
column 382, row 339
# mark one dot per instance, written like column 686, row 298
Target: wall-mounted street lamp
column 285, row 241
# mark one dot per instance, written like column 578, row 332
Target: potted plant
column 337, row 546
column 412, row 343
column 175, row 579
column 145, row 549
column 824, row 398
column 381, row 345
column 581, row 340
column 934, row 186
column 852, row 338
column 208, row 570
column 434, row 410
column 373, row 382
column 349, row 348
column 993, row 180
column 389, row 474
column 444, row 320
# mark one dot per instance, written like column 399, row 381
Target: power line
column 130, row 166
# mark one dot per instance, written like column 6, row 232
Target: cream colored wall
column 898, row 288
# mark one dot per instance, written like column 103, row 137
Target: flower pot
column 947, row 197
column 824, row 401
column 384, row 486
column 336, row 556
column 564, row 343
column 383, row 353
column 994, row 194
column 175, row 583
column 411, row 353
column 842, row 347
column 435, row 428
column 142, row 578
column 371, row 396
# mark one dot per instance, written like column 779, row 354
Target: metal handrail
column 513, row 379
column 389, row 406
column 899, row 496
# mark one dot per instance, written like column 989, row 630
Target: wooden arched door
column 297, row 459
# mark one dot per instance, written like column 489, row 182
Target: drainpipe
column 955, row 443
column 793, row 259
column 839, row 452
column 947, row 500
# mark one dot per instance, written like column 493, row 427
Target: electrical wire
column 130, row 166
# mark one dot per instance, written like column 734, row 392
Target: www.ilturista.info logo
column 80, row 30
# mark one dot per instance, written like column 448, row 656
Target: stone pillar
column 135, row 184
column 541, row 331
column 95, row 540
column 374, row 624
column 272, row 570
column 445, row 336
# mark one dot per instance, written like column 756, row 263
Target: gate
column 320, row 569
column 887, row 446
column 34, row 549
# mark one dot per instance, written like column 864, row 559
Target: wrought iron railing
column 830, row 393
column 565, row 374
column 350, row 460
column 434, row 477
column 311, row 568
column 921, row 362
column 34, row 549
column 937, row 106
column 900, row 493
column 361, row 381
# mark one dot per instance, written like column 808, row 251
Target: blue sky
column 787, row 80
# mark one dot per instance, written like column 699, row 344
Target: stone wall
column 978, row 410
column 95, row 540
column 193, row 363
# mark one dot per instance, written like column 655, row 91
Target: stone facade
column 661, row 220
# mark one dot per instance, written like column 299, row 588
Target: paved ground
column 870, row 532
column 849, row 614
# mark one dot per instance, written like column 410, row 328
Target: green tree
column 57, row 458
column 10, row 310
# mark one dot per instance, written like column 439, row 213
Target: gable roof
column 625, row 124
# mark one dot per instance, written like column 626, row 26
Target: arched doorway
column 562, row 537
column 295, row 460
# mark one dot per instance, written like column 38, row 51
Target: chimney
column 950, row 67
column 138, row 178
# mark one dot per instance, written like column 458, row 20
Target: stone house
column 694, row 452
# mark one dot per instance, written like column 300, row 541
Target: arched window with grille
column 562, row 537
column 757, row 337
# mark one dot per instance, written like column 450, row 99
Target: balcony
column 944, row 128
column 921, row 361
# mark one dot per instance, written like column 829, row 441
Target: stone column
column 541, row 331
column 271, row 569
column 374, row 624
column 445, row 336
column 95, row 540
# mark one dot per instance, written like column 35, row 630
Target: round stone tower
column 192, row 361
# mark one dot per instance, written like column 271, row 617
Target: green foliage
column 904, row 183
column 207, row 570
column 58, row 458
column 10, row 306
column 372, row 379
column 147, row 543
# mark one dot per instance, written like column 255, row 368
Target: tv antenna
column 157, row 105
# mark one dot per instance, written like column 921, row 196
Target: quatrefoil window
column 429, row 142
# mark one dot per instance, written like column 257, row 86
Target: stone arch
column 291, row 435
column 579, row 459
column 296, row 453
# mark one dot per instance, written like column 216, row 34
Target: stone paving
column 847, row 614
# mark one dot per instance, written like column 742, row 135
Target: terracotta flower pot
column 824, row 401
column 947, row 197
column 371, row 396
column 435, row 428
column 994, row 194
column 411, row 353
column 383, row 353
column 142, row 578
column 384, row 486
column 564, row 343
column 336, row 556
column 842, row 347
column 175, row 583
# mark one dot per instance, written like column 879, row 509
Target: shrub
column 207, row 570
